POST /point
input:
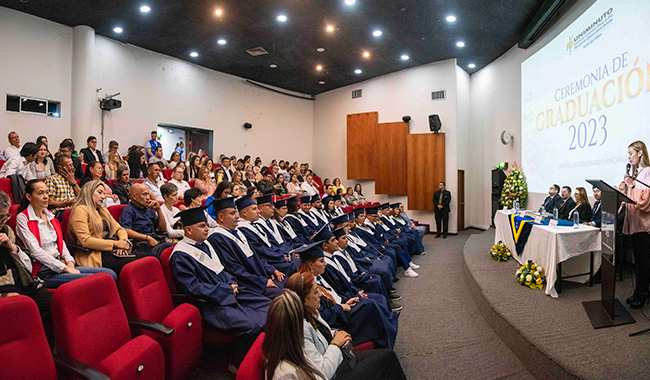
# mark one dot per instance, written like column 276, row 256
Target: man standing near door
column 441, row 200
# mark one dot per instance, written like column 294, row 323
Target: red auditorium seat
column 2, row 163
column 167, row 173
column 5, row 185
column 145, row 295
column 375, row 204
column 191, row 183
column 24, row 351
column 13, row 211
column 83, row 167
column 116, row 211
column 90, row 326
column 285, row 196
column 111, row 182
column 347, row 209
column 211, row 335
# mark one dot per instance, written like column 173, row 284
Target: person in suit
column 567, row 204
column 596, row 211
column 441, row 201
column 227, row 171
column 90, row 153
column 65, row 149
column 553, row 200
column 582, row 207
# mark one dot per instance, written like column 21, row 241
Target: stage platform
column 553, row 338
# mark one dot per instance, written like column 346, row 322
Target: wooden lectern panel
column 426, row 167
column 361, row 145
column 390, row 153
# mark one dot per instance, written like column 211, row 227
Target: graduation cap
column 192, row 216
column 336, row 198
column 384, row 206
column 326, row 199
column 358, row 211
column 309, row 252
column 305, row 199
column 292, row 201
column 372, row 210
column 395, row 205
column 340, row 219
column 222, row 204
column 323, row 235
column 281, row 203
column 245, row 201
column 315, row 198
column 339, row 232
column 264, row 199
column 350, row 217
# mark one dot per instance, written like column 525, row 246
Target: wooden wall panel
column 390, row 158
column 426, row 167
column 361, row 145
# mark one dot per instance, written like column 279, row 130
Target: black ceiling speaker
column 110, row 104
column 248, row 125
column 434, row 123
column 406, row 118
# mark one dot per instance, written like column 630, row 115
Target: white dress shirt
column 17, row 165
column 11, row 151
column 181, row 185
column 309, row 189
column 154, row 188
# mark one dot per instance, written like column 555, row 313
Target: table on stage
column 549, row 246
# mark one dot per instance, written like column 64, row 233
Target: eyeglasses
column 5, row 217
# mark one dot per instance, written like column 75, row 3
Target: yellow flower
column 533, row 266
column 539, row 281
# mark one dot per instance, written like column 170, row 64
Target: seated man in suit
column 566, row 204
column 553, row 200
column 90, row 153
column 596, row 210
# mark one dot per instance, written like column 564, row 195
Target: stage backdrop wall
column 37, row 61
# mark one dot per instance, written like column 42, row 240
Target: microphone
column 627, row 168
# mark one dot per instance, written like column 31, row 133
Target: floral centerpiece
column 514, row 187
column 500, row 252
column 531, row 275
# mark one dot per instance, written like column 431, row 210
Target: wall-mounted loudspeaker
column 248, row 125
column 406, row 118
column 434, row 123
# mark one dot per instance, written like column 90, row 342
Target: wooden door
column 461, row 200
column 198, row 140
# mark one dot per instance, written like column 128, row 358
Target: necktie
column 204, row 248
column 234, row 233
column 268, row 223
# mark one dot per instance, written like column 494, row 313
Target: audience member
column 582, row 207
column 225, row 164
column 174, row 229
column 43, row 139
column 113, row 162
column 336, row 185
column 566, row 204
column 402, row 214
column 205, row 183
column 288, row 235
column 177, row 179
column 62, row 187
column 350, row 199
column 174, row 159
column 159, row 159
column 358, row 193
column 553, row 200
column 95, row 172
column 66, row 148
column 43, row 165
column 153, row 181
column 41, row 234
column 179, row 148
column 293, row 187
column 137, row 164
column 113, row 146
column 90, row 153
column 193, row 167
column 122, row 184
column 309, row 186
column 13, row 150
column 144, row 221
column 21, row 164
column 152, row 144
column 92, row 226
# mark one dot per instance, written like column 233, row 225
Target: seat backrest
column 167, row 269
column 144, row 291
column 89, row 320
column 252, row 368
column 65, row 219
column 191, row 183
column 13, row 210
column 24, row 352
column 116, row 211
column 167, row 173
column 5, row 185
column 111, row 182
column 2, row 163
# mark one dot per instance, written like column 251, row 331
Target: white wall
column 36, row 60
column 496, row 106
column 406, row 92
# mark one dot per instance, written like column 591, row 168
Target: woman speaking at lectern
column 637, row 220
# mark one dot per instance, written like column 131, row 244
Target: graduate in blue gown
column 310, row 219
column 299, row 226
column 400, row 216
column 415, row 243
column 238, row 257
column 289, row 235
column 266, row 224
column 259, row 240
column 317, row 211
column 365, row 319
column 198, row 272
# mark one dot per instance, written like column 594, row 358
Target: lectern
column 608, row 311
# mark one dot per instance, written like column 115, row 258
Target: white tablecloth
column 549, row 246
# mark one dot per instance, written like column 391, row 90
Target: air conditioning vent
column 436, row 95
column 356, row 94
column 257, row 51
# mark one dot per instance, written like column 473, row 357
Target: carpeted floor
column 441, row 333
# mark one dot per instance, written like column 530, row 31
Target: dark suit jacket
column 446, row 199
column 584, row 210
column 88, row 155
column 248, row 183
column 550, row 203
column 565, row 208
column 596, row 212
column 78, row 171
column 265, row 188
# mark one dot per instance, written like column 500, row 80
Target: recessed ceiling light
column 320, row 50
column 330, row 28
column 350, row 2
column 450, row 18
column 218, row 12
column 273, row 65
column 222, row 41
column 118, row 30
column 321, row 82
column 377, row 33
column 282, row 18
column 366, row 54
column 145, row 9
column 404, row 57
column 358, row 71
column 194, row 54
column 460, row 44
column 319, row 67
column 471, row 65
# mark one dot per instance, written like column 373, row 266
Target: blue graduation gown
column 366, row 281
column 415, row 244
column 244, row 313
column 397, row 253
column 311, row 225
column 400, row 246
column 369, row 250
column 294, row 243
column 303, row 232
column 272, row 255
column 253, row 272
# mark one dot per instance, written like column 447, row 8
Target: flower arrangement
column 514, row 187
column 500, row 252
column 531, row 275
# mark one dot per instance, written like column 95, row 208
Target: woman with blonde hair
column 92, row 226
column 205, row 183
column 114, row 162
column 583, row 208
column 637, row 220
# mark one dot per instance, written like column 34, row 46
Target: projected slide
column 586, row 97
